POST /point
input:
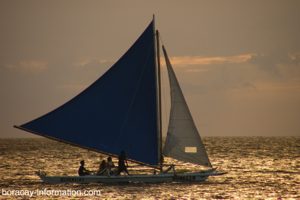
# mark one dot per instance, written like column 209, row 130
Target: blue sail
column 117, row 112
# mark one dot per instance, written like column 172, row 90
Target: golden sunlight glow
column 200, row 60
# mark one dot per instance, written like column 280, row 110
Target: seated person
column 102, row 168
column 122, row 160
column 82, row 171
column 110, row 165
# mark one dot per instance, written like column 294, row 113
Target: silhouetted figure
column 121, row 164
column 110, row 165
column 82, row 171
column 102, row 168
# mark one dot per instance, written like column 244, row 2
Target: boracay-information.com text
column 50, row 192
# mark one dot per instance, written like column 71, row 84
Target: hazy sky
column 238, row 62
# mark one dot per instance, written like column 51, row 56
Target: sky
column 238, row 61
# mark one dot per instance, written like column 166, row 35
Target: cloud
column 292, row 86
column 278, row 64
column 181, row 61
column 197, row 70
column 30, row 66
column 273, row 72
column 295, row 57
column 91, row 62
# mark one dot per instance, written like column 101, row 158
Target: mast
column 159, row 99
column 158, row 87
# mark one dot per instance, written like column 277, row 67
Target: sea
column 257, row 168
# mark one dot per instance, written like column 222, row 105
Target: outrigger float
column 121, row 111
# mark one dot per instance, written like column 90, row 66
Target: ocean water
column 258, row 168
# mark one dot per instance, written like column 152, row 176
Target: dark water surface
column 258, row 168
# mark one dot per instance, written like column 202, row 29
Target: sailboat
column 121, row 111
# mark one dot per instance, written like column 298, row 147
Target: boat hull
column 138, row 178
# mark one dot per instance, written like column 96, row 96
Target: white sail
column 183, row 141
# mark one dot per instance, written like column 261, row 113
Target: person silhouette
column 121, row 164
column 82, row 171
column 110, row 165
column 102, row 168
